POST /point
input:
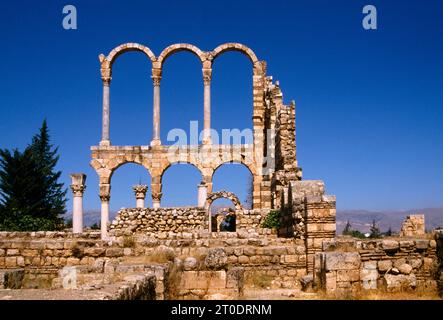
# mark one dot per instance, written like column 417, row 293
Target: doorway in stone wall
column 223, row 220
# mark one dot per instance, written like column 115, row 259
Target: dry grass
column 128, row 242
column 379, row 295
column 258, row 280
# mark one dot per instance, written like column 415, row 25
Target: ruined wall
column 392, row 265
column 181, row 219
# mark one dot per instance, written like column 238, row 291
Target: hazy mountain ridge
column 359, row 219
column 362, row 219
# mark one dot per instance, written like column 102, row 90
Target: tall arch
column 123, row 178
column 179, row 184
column 235, row 47
column 127, row 47
column 168, row 51
column 182, row 92
column 237, row 178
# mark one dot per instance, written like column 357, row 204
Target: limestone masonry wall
column 182, row 219
column 393, row 265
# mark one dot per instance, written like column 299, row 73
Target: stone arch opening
column 224, row 220
column 128, row 47
column 175, row 48
column 179, row 183
column 131, row 115
column 182, row 97
column 226, row 47
column 236, row 177
column 123, row 178
column 232, row 98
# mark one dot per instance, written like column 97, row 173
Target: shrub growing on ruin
column 272, row 220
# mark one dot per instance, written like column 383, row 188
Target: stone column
column 156, row 198
column 207, row 74
column 156, row 79
column 106, row 78
column 105, row 195
column 140, row 194
column 156, row 189
column 202, row 194
column 78, row 187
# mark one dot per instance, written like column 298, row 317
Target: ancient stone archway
column 267, row 162
column 226, row 195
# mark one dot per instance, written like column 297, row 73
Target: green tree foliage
column 348, row 231
column 375, row 231
column 31, row 198
column 272, row 220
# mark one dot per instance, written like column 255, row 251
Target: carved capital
column 105, row 192
column 105, row 197
column 140, row 191
column 156, row 196
column 156, row 80
column 78, row 189
column 207, row 76
column 106, row 76
column 156, row 76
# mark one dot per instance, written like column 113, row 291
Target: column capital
column 105, row 192
column 78, row 186
column 105, row 197
column 156, row 80
column 207, row 76
column 106, row 81
column 78, row 189
column 156, row 196
column 140, row 191
column 106, row 76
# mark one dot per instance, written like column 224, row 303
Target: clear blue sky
column 369, row 103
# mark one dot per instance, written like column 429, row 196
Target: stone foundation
column 391, row 265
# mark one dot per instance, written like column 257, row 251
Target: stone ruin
column 163, row 253
column 414, row 225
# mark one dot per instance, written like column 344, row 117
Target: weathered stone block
column 342, row 260
column 114, row 252
column 390, row 245
column 10, row 262
column 243, row 259
column 405, row 268
column 384, row 265
column 348, row 275
column 421, row 244
column 397, row 283
column 194, row 280
column 368, row 277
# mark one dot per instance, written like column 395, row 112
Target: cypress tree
column 46, row 158
column 348, row 229
column 31, row 196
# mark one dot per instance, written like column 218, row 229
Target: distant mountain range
column 359, row 219
column 362, row 219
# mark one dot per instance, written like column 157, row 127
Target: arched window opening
column 131, row 100
column 236, row 178
column 180, row 185
column 223, row 217
column 181, row 98
column 123, row 180
column 232, row 98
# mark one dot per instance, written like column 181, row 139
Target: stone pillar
column 156, row 198
column 140, row 194
column 156, row 189
column 156, row 79
column 202, row 194
column 207, row 74
column 78, row 187
column 105, row 195
column 105, row 122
